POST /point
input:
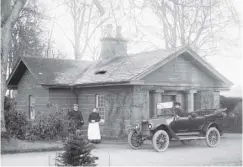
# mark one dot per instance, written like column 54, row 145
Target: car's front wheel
column 212, row 137
column 135, row 140
column 161, row 140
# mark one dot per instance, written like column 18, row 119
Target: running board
column 191, row 138
column 187, row 134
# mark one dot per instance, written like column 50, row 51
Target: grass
column 11, row 145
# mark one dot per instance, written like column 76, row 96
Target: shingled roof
column 121, row 69
column 48, row 71
column 63, row 72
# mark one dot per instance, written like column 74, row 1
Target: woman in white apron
column 94, row 128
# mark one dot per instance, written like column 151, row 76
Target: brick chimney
column 111, row 46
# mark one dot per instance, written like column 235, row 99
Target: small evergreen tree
column 76, row 152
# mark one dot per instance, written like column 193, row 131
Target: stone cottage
column 123, row 87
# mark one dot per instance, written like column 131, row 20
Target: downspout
column 73, row 90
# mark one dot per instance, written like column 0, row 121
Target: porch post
column 190, row 100
column 157, row 99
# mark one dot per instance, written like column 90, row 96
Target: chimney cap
column 107, row 32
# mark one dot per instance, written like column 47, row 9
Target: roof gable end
column 193, row 55
column 18, row 71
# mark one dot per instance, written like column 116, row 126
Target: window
column 168, row 98
column 100, row 72
column 31, row 107
column 100, row 105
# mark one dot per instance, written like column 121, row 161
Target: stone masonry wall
column 26, row 87
column 118, row 101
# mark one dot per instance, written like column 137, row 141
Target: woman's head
column 94, row 110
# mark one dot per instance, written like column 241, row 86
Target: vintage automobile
column 202, row 124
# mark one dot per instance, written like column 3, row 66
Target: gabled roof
column 48, row 71
column 122, row 69
column 193, row 57
column 125, row 69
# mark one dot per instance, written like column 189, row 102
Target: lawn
column 19, row 146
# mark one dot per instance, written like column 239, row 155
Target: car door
column 196, row 123
column 180, row 124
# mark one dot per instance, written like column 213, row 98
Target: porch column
column 190, row 100
column 216, row 99
column 157, row 99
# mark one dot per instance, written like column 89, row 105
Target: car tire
column 133, row 140
column 161, row 140
column 212, row 137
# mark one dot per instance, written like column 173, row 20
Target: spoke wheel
column 161, row 140
column 135, row 140
column 212, row 137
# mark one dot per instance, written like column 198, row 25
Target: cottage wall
column 26, row 87
column 207, row 99
column 62, row 99
column 118, row 108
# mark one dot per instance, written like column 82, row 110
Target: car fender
column 166, row 128
column 133, row 129
column 210, row 124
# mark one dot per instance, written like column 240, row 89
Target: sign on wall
column 164, row 105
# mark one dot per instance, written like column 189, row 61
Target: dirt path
column 196, row 153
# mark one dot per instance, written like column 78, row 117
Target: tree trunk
column 7, row 23
column 6, row 37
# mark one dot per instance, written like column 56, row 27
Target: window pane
column 100, row 104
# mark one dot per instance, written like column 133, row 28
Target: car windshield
column 165, row 109
column 165, row 112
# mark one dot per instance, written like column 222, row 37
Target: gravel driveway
column 196, row 153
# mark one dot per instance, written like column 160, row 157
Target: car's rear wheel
column 212, row 137
column 135, row 140
column 161, row 140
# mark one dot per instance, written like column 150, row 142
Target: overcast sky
column 228, row 61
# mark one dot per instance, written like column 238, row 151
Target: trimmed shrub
column 46, row 127
column 15, row 123
column 233, row 123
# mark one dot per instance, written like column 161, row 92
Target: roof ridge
column 156, row 50
column 39, row 57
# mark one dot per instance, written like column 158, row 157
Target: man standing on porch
column 94, row 129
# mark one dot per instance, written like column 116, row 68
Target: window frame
column 31, row 106
column 97, row 105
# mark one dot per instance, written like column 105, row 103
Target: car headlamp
column 137, row 126
column 150, row 126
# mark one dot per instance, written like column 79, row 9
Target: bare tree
column 192, row 22
column 27, row 34
column 9, row 15
column 87, row 20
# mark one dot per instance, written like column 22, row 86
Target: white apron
column 94, row 131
